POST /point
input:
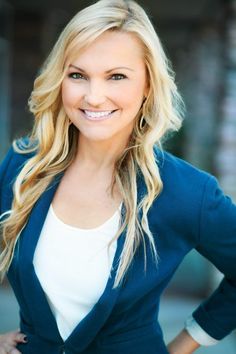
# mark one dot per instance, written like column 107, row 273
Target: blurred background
column 199, row 38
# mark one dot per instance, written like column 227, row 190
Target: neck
column 99, row 155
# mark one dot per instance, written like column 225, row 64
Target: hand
column 9, row 341
column 183, row 343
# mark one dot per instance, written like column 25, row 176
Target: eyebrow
column 107, row 71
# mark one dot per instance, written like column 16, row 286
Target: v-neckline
column 33, row 291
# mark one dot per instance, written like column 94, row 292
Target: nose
column 95, row 94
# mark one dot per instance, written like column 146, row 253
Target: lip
column 98, row 119
column 98, row 110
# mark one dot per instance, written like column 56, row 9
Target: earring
column 142, row 123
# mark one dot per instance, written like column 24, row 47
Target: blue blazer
column 191, row 212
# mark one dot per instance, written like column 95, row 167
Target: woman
column 95, row 216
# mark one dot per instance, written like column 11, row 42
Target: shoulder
column 185, row 188
column 188, row 194
column 18, row 154
column 24, row 147
column 180, row 174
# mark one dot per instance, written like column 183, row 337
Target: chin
column 98, row 137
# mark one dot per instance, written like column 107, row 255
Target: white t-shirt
column 73, row 266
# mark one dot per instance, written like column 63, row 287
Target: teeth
column 97, row 114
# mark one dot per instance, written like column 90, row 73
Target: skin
column 123, row 89
column 100, row 86
column 110, row 75
column 183, row 343
column 9, row 341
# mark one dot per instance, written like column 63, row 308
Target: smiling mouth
column 97, row 115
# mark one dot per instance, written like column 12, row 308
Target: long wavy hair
column 54, row 140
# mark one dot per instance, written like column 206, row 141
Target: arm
column 8, row 340
column 183, row 343
column 190, row 338
column 216, row 316
column 3, row 169
column 217, row 242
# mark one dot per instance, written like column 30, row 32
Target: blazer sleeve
column 217, row 242
column 3, row 170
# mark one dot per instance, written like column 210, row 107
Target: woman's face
column 105, row 86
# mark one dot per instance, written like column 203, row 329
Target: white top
column 73, row 267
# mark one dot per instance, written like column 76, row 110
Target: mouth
column 97, row 115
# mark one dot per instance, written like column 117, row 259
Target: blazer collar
column 34, row 295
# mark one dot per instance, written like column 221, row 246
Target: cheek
column 133, row 99
column 128, row 96
column 70, row 95
column 65, row 94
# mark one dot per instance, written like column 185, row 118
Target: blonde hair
column 54, row 141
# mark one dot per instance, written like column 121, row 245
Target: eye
column 76, row 76
column 118, row 77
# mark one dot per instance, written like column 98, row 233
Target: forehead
column 112, row 48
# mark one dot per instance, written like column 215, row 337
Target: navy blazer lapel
column 34, row 295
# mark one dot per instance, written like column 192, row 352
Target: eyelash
column 121, row 76
column 71, row 75
column 80, row 76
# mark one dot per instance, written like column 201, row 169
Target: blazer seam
column 202, row 208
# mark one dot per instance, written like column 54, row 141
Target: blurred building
column 200, row 40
